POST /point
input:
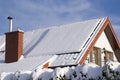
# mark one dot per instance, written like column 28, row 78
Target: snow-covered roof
column 57, row 40
column 64, row 41
column 65, row 60
column 24, row 64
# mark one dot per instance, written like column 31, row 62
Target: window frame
column 109, row 55
column 95, row 56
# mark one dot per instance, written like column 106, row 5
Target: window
column 108, row 56
column 100, row 56
column 95, row 56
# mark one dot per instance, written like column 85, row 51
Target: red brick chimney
column 14, row 46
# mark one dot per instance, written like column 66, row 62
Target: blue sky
column 33, row 14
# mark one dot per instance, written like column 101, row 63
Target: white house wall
column 103, row 42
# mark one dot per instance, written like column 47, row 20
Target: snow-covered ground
column 87, row 71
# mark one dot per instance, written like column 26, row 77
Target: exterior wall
column 101, row 43
column 104, row 43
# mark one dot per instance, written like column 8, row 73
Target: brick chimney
column 14, row 46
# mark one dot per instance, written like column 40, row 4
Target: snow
column 111, row 70
column 80, row 72
column 114, row 65
column 22, row 75
column 63, row 72
column 66, row 59
column 49, row 42
column 61, row 39
column 44, row 45
column 56, row 40
column 2, row 45
column 6, row 76
column 92, row 70
column 44, row 74
column 18, row 75
column 25, row 64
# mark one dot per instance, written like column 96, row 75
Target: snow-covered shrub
column 36, row 73
column 111, row 71
column 63, row 73
column 84, row 72
column 89, row 71
column 59, row 73
column 42, row 74
column 77, row 74
column 22, row 75
column 6, row 76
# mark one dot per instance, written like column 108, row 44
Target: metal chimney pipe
column 10, row 23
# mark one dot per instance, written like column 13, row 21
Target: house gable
column 103, row 51
column 107, row 28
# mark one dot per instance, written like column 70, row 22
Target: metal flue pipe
column 10, row 23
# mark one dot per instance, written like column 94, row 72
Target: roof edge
column 114, row 34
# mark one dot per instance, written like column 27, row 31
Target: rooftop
column 64, row 41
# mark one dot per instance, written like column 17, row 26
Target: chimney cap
column 9, row 17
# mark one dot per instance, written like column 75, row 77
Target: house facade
column 102, row 51
column 106, row 46
column 59, row 46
